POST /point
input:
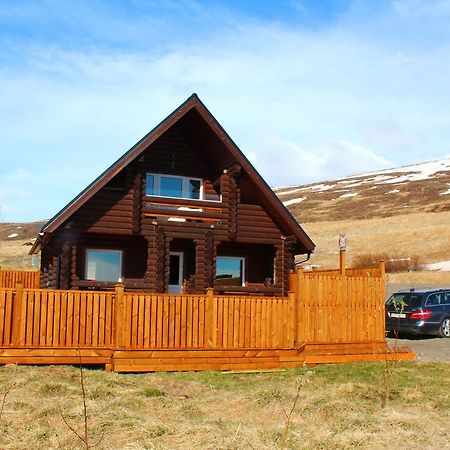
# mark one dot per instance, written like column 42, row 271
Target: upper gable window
column 174, row 186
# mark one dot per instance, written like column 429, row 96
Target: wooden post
column 382, row 265
column 211, row 317
column 292, row 323
column 292, row 281
column 16, row 313
column 118, row 325
column 342, row 262
column 299, row 338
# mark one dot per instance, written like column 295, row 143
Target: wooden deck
column 330, row 318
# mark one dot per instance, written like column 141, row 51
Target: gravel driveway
column 426, row 348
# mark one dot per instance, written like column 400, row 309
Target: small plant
column 157, row 431
column 5, row 394
column 389, row 364
column 288, row 414
column 269, row 396
column 152, row 392
column 83, row 437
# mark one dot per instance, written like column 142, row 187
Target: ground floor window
column 230, row 271
column 103, row 265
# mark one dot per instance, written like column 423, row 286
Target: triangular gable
column 193, row 101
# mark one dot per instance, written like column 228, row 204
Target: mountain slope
column 15, row 242
column 399, row 213
column 404, row 190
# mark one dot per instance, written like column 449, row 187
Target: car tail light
column 421, row 314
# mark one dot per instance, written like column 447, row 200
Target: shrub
column 393, row 263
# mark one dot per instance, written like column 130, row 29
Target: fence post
column 211, row 318
column 118, row 324
column 382, row 293
column 292, row 324
column 16, row 313
column 342, row 262
column 382, row 266
column 299, row 337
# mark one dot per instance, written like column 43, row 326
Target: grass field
column 339, row 406
column 422, row 235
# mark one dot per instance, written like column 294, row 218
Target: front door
column 176, row 273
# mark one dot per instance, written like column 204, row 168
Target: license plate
column 398, row 315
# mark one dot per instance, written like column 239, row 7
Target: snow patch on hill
column 349, row 195
column 443, row 266
column 400, row 175
column 293, row 201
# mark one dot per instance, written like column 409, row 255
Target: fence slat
column 30, row 279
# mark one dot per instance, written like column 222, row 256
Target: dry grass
column 424, row 278
column 425, row 235
column 393, row 264
column 14, row 250
column 338, row 408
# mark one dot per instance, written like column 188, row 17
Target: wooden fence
column 132, row 331
column 76, row 319
column 29, row 278
column 340, row 309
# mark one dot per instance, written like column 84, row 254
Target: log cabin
column 182, row 211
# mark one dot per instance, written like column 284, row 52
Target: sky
column 309, row 90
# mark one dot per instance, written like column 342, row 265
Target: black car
column 419, row 312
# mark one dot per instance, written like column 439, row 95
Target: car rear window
column 405, row 300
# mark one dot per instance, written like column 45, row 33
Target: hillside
column 15, row 242
column 404, row 190
column 402, row 213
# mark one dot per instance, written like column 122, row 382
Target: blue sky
column 308, row 90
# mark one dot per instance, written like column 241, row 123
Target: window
column 230, row 271
column 103, row 265
column 433, row 300
column 402, row 300
column 174, row 186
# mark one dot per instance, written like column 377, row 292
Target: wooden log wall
column 122, row 210
column 109, row 211
column 254, row 225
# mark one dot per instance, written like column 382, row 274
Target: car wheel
column 444, row 330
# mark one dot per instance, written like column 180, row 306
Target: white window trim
column 185, row 185
column 104, row 250
column 243, row 265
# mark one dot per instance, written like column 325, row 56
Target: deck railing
column 79, row 319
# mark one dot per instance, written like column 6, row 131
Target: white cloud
column 279, row 159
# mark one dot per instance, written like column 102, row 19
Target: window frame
column 103, row 250
column 185, row 186
column 244, row 268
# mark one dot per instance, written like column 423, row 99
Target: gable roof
column 193, row 102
